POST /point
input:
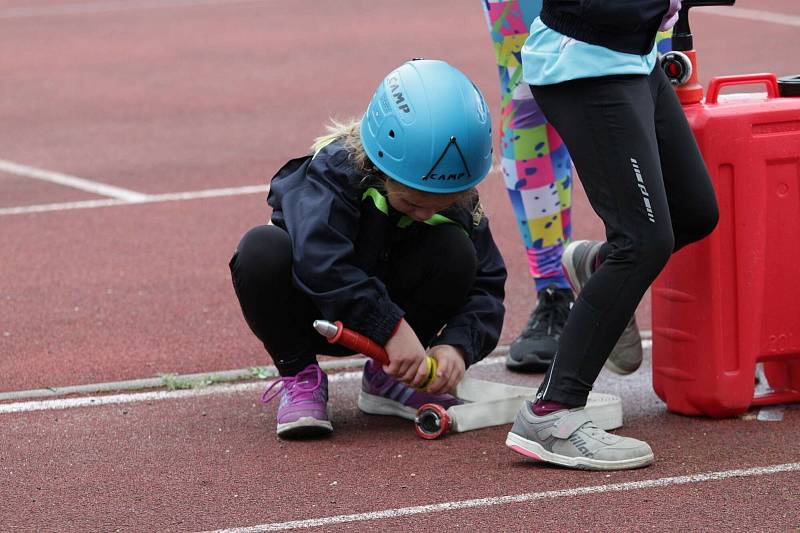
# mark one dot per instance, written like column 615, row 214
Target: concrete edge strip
column 56, row 404
column 390, row 514
column 168, row 381
column 151, row 396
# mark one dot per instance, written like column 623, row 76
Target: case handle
column 719, row 82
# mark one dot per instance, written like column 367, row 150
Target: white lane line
column 28, row 406
column 390, row 514
column 208, row 193
column 71, row 181
column 148, row 199
column 753, row 14
column 106, row 7
column 193, row 380
column 63, row 206
column 96, row 401
column 23, row 396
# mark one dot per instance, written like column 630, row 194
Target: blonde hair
column 349, row 133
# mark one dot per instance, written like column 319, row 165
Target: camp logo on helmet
column 397, row 93
column 444, row 177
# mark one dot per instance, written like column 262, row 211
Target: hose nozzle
column 325, row 328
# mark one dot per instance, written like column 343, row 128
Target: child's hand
column 451, row 368
column 406, row 356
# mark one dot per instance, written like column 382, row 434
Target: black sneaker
column 536, row 346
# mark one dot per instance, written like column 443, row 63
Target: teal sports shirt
column 550, row 57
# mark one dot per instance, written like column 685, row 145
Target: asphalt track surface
column 137, row 143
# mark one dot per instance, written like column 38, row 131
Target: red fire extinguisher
column 730, row 302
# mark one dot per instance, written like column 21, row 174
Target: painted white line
column 389, row 514
column 71, row 181
column 106, row 7
column 96, row 401
column 23, row 396
column 752, row 14
column 208, row 193
column 192, row 380
column 150, row 199
column 63, row 206
column 28, row 406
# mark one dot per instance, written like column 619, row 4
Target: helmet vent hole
column 391, row 134
column 380, row 154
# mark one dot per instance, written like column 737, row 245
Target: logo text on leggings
column 645, row 195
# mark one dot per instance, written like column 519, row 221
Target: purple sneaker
column 381, row 394
column 303, row 409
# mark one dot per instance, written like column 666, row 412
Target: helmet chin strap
column 453, row 142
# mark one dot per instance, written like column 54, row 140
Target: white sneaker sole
column 378, row 405
column 305, row 426
column 536, row 451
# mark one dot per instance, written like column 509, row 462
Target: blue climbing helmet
column 428, row 127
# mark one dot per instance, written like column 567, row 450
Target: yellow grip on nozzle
column 433, row 366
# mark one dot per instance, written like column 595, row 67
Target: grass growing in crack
column 262, row 372
column 176, row 382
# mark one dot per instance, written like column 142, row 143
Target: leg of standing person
column 627, row 355
column 644, row 176
column 538, row 175
column 615, row 127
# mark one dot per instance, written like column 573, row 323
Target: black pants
column 644, row 176
column 428, row 278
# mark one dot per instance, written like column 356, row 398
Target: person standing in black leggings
column 592, row 68
column 380, row 228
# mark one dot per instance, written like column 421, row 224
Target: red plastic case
column 732, row 300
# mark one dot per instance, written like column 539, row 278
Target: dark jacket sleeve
column 624, row 15
column 628, row 26
column 321, row 215
column 476, row 327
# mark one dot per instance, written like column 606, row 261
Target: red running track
column 193, row 97
column 207, row 94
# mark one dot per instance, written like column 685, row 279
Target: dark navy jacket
column 628, row 26
column 341, row 241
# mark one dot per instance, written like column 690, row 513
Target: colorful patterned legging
column 536, row 166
